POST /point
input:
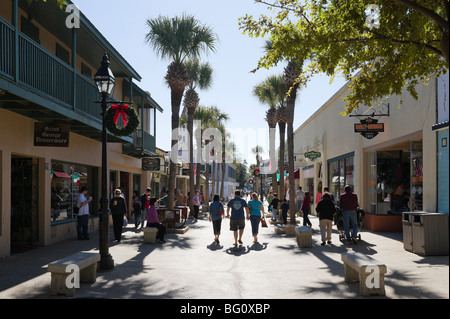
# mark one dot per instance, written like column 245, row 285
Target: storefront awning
column 61, row 175
column 296, row 175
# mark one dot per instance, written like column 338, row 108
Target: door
column 24, row 203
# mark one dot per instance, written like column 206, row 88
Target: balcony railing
column 143, row 145
column 40, row 71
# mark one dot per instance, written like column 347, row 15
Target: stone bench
column 366, row 270
column 150, row 235
column 86, row 263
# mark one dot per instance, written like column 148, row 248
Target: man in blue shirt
column 237, row 219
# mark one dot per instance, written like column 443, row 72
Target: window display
column 66, row 181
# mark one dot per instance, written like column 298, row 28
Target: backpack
column 76, row 209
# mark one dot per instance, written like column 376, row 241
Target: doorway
column 24, row 203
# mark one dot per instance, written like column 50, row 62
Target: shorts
column 216, row 226
column 237, row 224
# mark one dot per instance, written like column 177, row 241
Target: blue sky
column 123, row 23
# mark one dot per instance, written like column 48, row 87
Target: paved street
column 190, row 266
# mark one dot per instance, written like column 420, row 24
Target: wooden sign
column 51, row 134
column 312, row 155
column 151, row 164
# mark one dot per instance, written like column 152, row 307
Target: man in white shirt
column 83, row 214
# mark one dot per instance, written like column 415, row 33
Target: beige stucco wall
column 333, row 135
column 17, row 139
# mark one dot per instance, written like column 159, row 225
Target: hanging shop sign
column 312, row 155
column 369, row 128
column 51, row 134
column 151, row 164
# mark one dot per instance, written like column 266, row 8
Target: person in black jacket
column 326, row 210
column 118, row 210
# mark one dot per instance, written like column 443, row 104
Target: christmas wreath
column 112, row 118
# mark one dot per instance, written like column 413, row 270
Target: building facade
column 51, row 141
column 378, row 151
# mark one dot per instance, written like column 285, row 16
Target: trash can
column 430, row 233
column 407, row 232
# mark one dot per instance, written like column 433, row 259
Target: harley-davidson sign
column 369, row 128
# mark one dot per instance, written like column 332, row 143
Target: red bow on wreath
column 120, row 110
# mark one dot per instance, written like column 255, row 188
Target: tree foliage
column 405, row 47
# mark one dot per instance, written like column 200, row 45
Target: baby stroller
column 339, row 222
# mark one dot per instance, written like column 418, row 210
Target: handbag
column 263, row 223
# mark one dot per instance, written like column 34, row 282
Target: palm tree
column 258, row 150
column 272, row 92
column 291, row 75
column 201, row 77
column 282, row 120
column 178, row 38
column 209, row 117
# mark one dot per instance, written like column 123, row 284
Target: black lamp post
column 105, row 81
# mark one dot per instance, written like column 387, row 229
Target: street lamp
column 105, row 81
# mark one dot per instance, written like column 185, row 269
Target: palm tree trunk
column 198, row 176
column 282, row 128
column 213, row 184
column 291, row 166
column 223, row 176
column 190, row 126
column 176, row 96
column 272, row 152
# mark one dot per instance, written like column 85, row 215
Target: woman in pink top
column 196, row 203
column 153, row 221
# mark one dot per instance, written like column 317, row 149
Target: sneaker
column 323, row 243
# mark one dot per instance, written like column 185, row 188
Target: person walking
column 196, row 204
column 137, row 204
column 237, row 219
column 118, row 211
column 145, row 204
column 153, row 221
column 256, row 214
column 274, row 203
column 348, row 203
column 299, row 197
column 306, row 209
column 83, row 214
column 216, row 213
column 326, row 210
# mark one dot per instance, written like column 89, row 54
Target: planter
column 290, row 230
column 304, row 236
column 383, row 223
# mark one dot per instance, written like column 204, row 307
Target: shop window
column 66, row 181
column 62, row 53
column 30, row 29
column 340, row 173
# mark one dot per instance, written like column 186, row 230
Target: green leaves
column 179, row 38
column 333, row 37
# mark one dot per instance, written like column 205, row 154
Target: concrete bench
column 86, row 263
column 366, row 270
column 150, row 235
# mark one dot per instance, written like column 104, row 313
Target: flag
column 76, row 178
